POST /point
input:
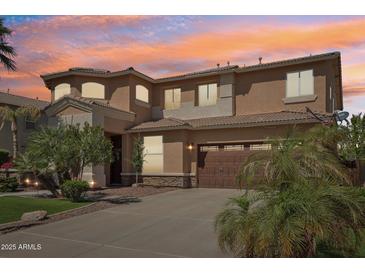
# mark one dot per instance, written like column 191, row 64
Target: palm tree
column 292, row 158
column 304, row 200
column 7, row 52
column 294, row 222
column 11, row 115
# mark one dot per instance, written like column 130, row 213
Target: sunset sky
column 167, row 45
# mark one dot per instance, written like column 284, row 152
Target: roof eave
column 226, row 126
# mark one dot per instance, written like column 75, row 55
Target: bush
column 74, row 189
column 8, row 184
column 4, row 156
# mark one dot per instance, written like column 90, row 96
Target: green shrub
column 74, row 189
column 4, row 156
column 8, row 184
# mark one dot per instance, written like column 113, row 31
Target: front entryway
column 116, row 165
column 218, row 165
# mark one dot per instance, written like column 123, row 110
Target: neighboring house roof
column 208, row 72
column 251, row 120
column 85, row 103
column 17, row 100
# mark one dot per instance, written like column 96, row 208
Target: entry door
column 116, row 165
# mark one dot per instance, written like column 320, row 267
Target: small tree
column 57, row 154
column 352, row 146
column 11, row 115
column 138, row 156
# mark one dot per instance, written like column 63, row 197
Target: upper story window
column 29, row 122
column 299, row 83
column 61, row 90
column 142, row 93
column 153, row 149
column 172, row 98
column 207, row 94
column 93, row 90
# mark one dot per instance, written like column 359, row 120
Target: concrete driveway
column 172, row 224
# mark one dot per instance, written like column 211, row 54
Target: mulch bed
column 121, row 191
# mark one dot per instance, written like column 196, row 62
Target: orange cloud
column 46, row 46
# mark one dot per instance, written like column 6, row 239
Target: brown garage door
column 218, row 165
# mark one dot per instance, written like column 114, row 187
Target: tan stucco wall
column 179, row 159
column 262, row 91
column 188, row 89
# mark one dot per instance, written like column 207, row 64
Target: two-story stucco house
column 197, row 127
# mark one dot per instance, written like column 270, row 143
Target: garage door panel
column 218, row 165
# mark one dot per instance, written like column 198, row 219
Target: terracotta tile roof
column 207, row 72
column 251, row 120
column 89, row 101
column 201, row 72
column 16, row 100
column 293, row 61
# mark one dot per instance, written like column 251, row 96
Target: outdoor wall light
column 92, row 184
column 191, row 146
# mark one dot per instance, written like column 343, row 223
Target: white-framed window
column 300, row 83
column 209, row 148
column 62, row 90
column 142, row 93
column 260, row 147
column 207, row 94
column 172, row 98
column 153, row 149
column 93, row 90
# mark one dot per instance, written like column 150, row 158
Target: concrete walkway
column 172, row 224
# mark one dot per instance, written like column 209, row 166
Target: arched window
column 61, row 90
column 93, row 90
column 142, row 93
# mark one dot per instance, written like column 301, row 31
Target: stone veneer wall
column 161, row 181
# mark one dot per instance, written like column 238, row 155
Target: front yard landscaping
column 12, row 208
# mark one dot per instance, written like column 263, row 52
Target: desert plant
column 74, row 189
column 305, row 199
column 293, row 222
column 11, row 115
column 9, row 184
column 138, row 156
column 291, row 158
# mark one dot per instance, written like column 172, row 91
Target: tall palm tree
column 7, row 52
column 11, row 115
